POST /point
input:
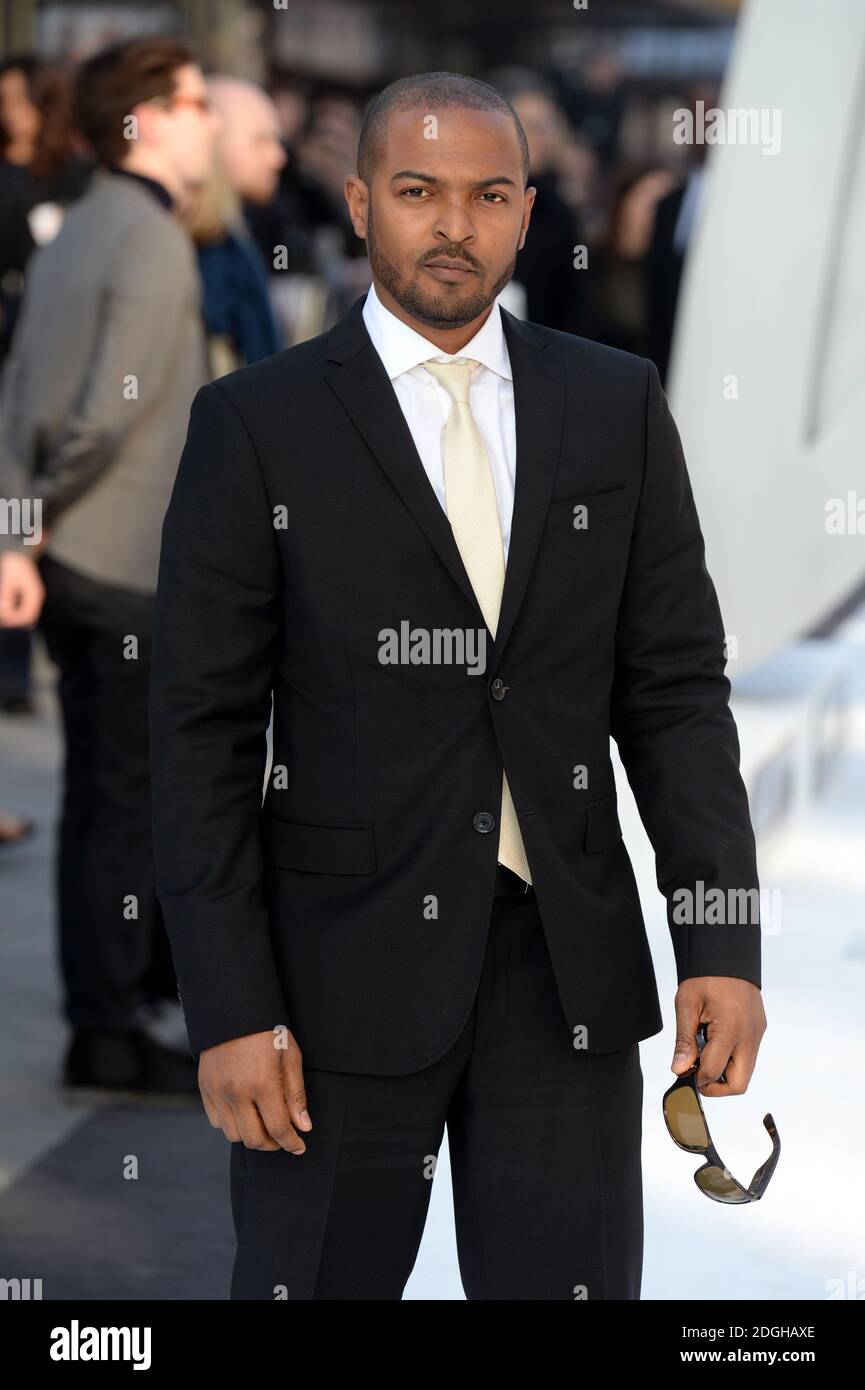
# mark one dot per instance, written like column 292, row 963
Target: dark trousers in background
column 544, row 1145
column 15, row 662
column 113, row 958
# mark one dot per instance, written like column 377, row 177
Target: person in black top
column 41, row 172
column 545, row 264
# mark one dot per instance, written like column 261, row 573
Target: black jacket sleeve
column 672, row 723
column 216, row 638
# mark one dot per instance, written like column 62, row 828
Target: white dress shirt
column 425, row 403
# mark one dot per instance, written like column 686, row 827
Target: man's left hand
column 732, row 1010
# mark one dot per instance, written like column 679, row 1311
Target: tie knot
column 454, row 377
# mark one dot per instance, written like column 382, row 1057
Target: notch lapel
column 539, row 409
column 356, row 374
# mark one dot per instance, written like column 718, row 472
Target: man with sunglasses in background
column 106, row 359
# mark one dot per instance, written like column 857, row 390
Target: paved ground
column 117, row 1201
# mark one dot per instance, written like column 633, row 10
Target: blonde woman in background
column 239, row 320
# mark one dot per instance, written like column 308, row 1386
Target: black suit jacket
column 354, row 905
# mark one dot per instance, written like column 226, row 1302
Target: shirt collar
column 401, row 348
column 159, row 191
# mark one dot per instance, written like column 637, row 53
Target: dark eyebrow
column 429, row 178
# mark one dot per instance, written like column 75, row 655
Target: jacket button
column 484, row 822
column 498, row 689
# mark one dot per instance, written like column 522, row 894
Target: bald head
column 249, row 144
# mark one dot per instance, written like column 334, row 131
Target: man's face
column 185, row 129
column 457, row 198
column 250, row 146
column 542, row 124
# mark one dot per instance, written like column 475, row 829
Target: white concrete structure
column 767, row 378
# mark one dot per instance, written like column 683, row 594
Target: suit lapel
column 539, row 409
column 356, row 374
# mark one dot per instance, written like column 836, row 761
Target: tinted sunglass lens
column 685, row 1119
column 719, row 1184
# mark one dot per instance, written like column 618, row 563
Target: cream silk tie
column 473, row 513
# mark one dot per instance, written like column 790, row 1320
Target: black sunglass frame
column 761, row 1178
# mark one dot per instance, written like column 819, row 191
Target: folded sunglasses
column 686, row 1122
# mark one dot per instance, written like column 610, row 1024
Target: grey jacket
column 107, row 356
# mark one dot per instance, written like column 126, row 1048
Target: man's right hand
column 22, row 592
column 253, row 1091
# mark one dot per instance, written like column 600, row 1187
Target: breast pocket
column 585, row 510
column 317, row 848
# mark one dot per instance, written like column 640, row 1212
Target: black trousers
column 113, row 946
column 544, row 1145
column 15, row 662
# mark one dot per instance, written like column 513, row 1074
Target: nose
column 455, row 223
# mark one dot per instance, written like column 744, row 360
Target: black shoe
column 112, row 1063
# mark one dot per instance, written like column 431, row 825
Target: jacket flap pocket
column 598, row 507
column 602, row 824
column 319, row 849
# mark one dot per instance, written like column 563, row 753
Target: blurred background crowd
column 595, row 92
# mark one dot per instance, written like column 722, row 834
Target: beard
column 433, row 308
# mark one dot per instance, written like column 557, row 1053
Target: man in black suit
column 460, row 551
